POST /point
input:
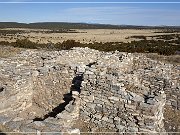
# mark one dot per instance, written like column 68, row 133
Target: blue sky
column 106, row 13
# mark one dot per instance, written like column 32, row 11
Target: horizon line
column 141, row 25
column 78, row 2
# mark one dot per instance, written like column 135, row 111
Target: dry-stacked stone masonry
column 50, row 91
column 116, row 97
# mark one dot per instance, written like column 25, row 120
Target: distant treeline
column 5, row 32
column 65, row 25
column 142, row 46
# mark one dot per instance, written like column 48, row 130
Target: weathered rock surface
column 47, row 91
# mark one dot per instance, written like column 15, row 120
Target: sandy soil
column 83, row 35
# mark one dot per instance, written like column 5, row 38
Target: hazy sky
column 108, row 13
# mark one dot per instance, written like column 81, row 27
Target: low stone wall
column 48, row 91
column 34, row 85
column 107, row 101
column 51, row 86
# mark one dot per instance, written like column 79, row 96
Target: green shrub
column 25, row 43
column 142, row 46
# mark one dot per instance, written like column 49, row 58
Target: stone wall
column 115, row 99
column 33, row 85
column 50, row 86
column 46, row 91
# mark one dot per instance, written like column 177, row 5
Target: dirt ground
column 81, row 35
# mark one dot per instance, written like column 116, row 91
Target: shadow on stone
column 76, row 85
column 1, row 133
column 90, row 64
column 1, row 89
column 61, row 107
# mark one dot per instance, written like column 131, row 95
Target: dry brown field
column 82, row 35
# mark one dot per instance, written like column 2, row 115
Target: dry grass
column 172, row 119
column 4, row 131
column 85, row 128
column 172, row 59
column 82, row 35
column 7, row 51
